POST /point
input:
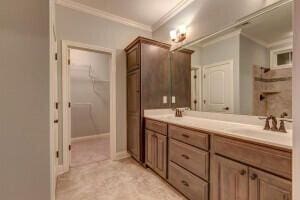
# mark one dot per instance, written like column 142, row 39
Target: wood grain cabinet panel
column 133, row 135
column 150, row 148
column 264, row 186
column 156, row 126
column 230, row 180
column 271, row 160
column 156, row 152
column 195, row 138
column 181, row 78
column 133, row 92
column 155, row 76
column 188, row 184
column 190, row 158
column 161, row 155
column 133, row 58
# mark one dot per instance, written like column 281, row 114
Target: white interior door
column 218, row 87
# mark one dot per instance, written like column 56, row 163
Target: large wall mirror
column 245, row 69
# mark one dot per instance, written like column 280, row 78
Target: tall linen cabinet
column 148, row 87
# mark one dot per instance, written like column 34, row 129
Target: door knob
column 226, row 108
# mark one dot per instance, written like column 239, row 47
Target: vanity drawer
column 190, row 158
column 272, row 160
column 188, row 184
column 156, row 126
column 195, row 138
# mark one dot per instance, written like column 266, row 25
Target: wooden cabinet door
column 133, row 135
column 150, row 148
column 264, row 186
column 133, row 58
column 161, row 155
column 181, row 79
column 230, row 180
column 133, row 92
column 133, row 114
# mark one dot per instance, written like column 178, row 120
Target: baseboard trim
column 121, row 155
column 60, row 170
column 91, row 137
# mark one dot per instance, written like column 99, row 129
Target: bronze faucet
column 267, row 124
column 274, row 123
column 282, row 124
column 178, row 112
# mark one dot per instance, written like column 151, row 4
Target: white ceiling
column 142, row 11
column 273, row 26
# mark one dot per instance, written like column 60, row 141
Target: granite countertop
column 248, row 132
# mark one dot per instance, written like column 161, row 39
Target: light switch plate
column 165, row 99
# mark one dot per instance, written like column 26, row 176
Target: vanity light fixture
column 179, row 34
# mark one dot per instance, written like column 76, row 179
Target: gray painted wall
column 251, row 54
column 24, row 108
column 204, row 17
column 81, row 27
column 89, row 93
column 296, row 104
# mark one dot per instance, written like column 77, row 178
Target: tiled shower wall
column 276, row 88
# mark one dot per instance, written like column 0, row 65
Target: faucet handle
column 267, row 124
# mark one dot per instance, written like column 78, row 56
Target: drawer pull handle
column 186, row 136
column 185, row 183
column 185, row 156
column 253, row 176
column 243, row 172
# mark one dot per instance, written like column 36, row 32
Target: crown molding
column 221, row 38
column 178, row 8
column 99, row 13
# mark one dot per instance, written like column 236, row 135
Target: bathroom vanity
column 210, row 159
column 237, row 82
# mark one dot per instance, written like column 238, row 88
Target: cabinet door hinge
column 57, row 154
column 69, row 62
column 56, row 56
column 70, row 147
column 56, row 105
column 69, row 105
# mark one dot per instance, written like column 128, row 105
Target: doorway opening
column 89, row 104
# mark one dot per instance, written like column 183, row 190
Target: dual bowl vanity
column 219, row 160
column 230, row 80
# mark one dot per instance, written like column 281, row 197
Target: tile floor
column 91, row 179
column 90, row 151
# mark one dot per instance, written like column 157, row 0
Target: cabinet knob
column 185, row 183
column 185, row 156
column 253, row 176
column 243, row 172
